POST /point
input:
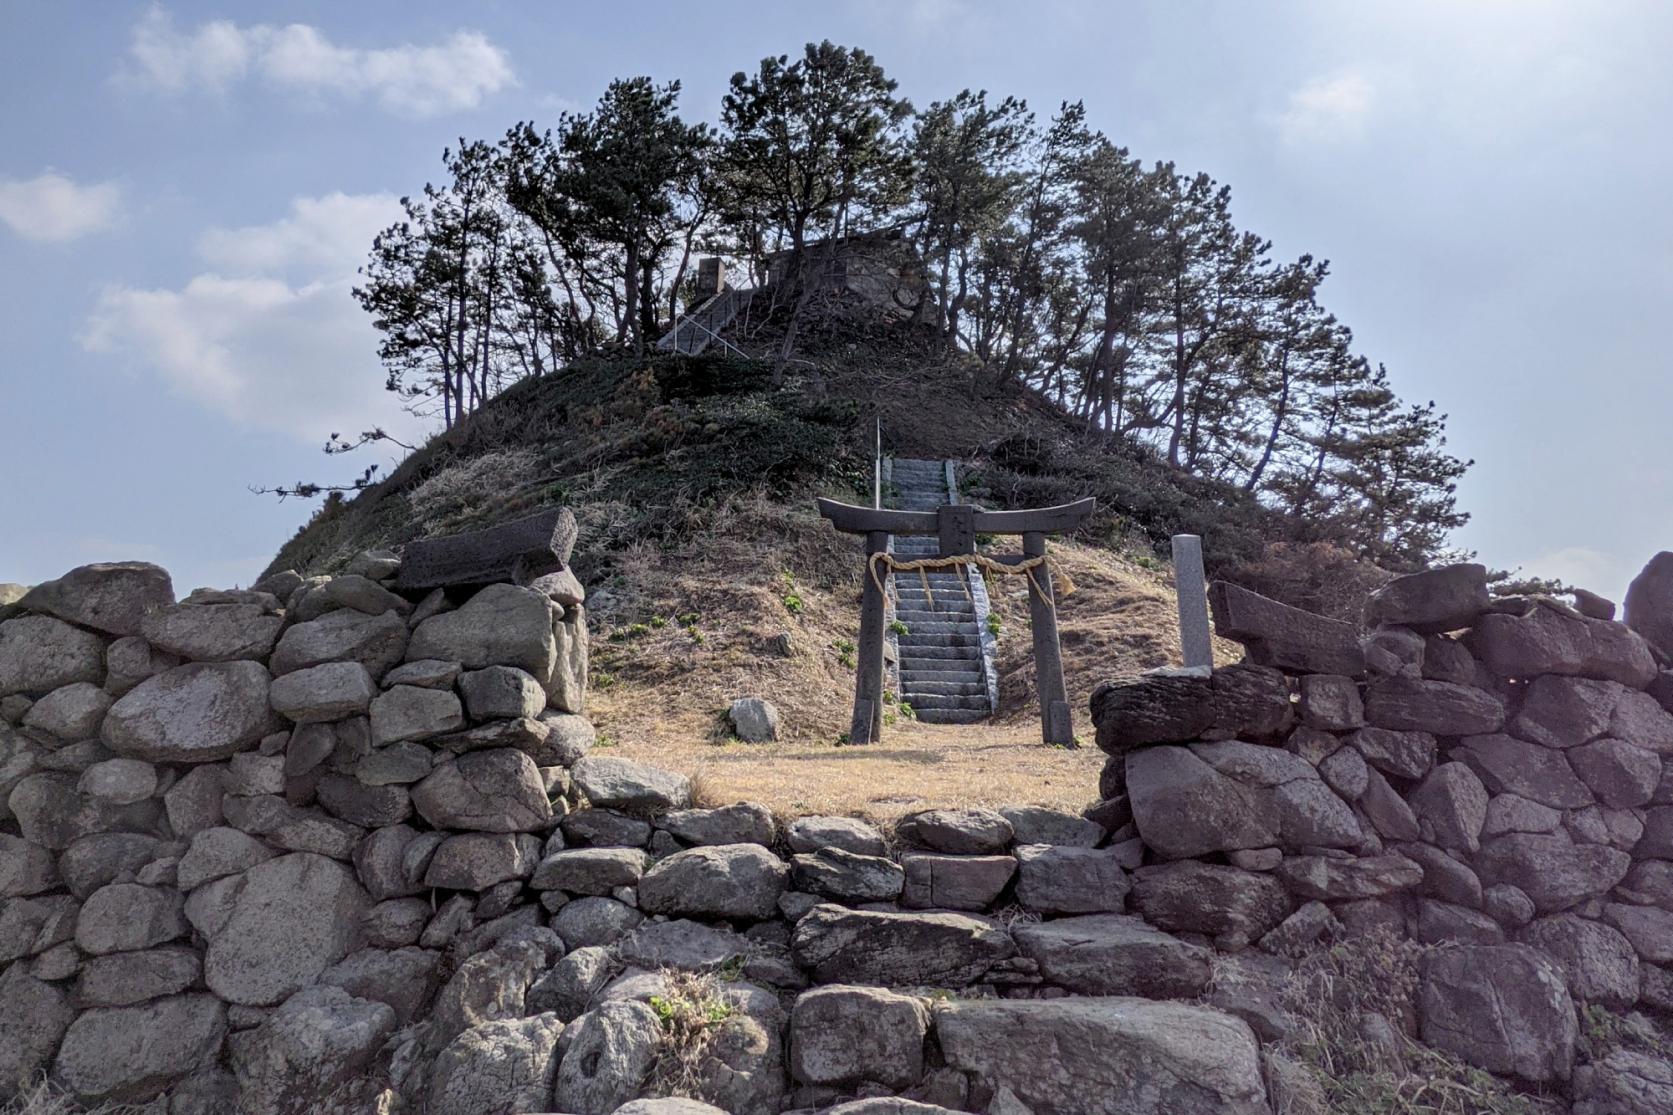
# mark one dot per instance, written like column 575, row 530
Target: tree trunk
column 630, row 295
column 648, row 325
column 1178, row 434
column 1280, row 411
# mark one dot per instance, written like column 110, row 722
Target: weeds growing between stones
column 1335, row 998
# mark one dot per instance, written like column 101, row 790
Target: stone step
column 939, row 627
column 941, row 673
column 944, row 604
column 923, row 653
column 915, row 680
column 931, row 663
column 914, row 688
column 964, row 668
column 910, row 644
column 946, row 613
column 949, row 715
column 938, row 587
column 936, row 701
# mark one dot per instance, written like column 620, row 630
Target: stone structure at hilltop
column 319, row 847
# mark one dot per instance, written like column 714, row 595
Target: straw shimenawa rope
column 921, row 566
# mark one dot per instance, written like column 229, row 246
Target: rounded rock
column 318, row 694
column 195, row 713
column 723, row 880
column 39, row 654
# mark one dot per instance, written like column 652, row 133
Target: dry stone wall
column 317, row 846
column 1489, row 776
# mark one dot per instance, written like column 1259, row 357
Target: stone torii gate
column 956, row 527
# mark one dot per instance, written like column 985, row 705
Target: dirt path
column 917, row 766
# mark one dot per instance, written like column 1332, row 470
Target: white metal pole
column 877, row 468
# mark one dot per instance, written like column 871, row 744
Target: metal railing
column 700, row 328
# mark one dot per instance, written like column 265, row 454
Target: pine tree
column 1031, row 246
column 812, row 145
column 1298, row 352
column 1126, row 296
column 1210, row 276
column 439, row 287
column 606, row 193
column 1400, row 483
column 966, row 154
column 1117, row 229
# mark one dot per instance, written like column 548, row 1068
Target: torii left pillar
column 867, row 723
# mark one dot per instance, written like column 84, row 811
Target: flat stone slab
column 1288, row 638
column 839, row 945
column 1115, row 954
column 1106, row 1056
column 518, row 551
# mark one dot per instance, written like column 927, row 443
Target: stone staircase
column 942, row 673
column 702, row 327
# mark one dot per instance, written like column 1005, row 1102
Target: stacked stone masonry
column 316, row 846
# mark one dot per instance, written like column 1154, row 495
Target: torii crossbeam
column 956, row 526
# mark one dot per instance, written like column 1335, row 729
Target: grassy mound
column 711, row 576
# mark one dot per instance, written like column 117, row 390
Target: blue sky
column 186, row 189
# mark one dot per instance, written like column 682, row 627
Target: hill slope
column 694, row 481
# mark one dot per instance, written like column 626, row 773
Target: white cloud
column 1328, row 109
column 557, row 102
column 331, row 233
column 51, row 207
column 270, row 337
column 931, row 14
column 215, row 55
column 456, row 73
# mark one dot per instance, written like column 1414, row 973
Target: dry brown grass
column 1119, row 617
column 678, row 633
column 44, row 1098
column 692, row 1013
column 661, row 691
column 1329, row 994
column 917, row 766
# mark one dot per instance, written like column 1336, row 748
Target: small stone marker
column 1192, row 590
